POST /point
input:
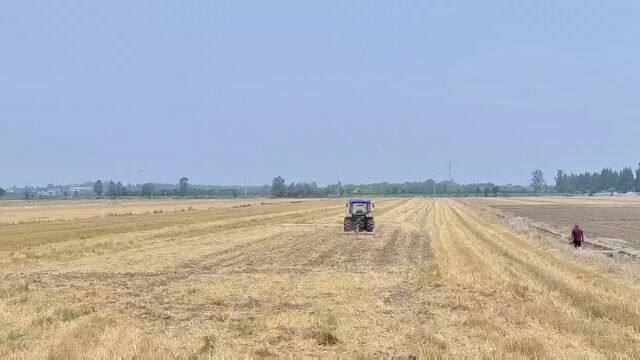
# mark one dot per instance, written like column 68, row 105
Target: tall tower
column 450, row 173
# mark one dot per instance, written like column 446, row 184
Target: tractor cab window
column 359, row 208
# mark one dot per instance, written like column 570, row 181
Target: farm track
column 437, row 280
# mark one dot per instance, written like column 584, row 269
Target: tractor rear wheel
column 348, row 225
column 370, row 226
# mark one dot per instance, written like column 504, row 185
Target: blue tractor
column 359, row 217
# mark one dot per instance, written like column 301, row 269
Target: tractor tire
column 348, row 225
column 370, row 225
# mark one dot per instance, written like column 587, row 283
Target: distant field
column 264, row 278
column 611, row 221
column 47, row 210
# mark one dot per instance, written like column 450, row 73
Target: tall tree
column 183, row 186
column 2, row 192
column 537, row 181
column 495, row 190
column 638, row 178
column 560, row 181
column 626, row 182
column 147, row 189
column 278, row 187
column 120, row 190
column 608, row 179
column 112, row 190
column 98, row 188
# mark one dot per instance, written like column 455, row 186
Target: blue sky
column 358, row 90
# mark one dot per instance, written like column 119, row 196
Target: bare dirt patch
column 611, row 222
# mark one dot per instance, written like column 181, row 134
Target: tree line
column 607, row 180
column 183, row 188
column 112, row 189
column 279, row 188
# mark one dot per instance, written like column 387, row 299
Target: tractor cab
column 359, row 207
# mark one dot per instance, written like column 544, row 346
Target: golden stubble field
column 18, row 212
column 265, row 278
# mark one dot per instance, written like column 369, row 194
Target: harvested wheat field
column 12, row 212
column 440, row 279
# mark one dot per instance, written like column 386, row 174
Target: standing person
column 577, row 236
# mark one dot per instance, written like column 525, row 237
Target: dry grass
column 514, row 297
column 21, row 212
column 276, row 279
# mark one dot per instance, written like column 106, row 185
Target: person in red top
column 577, row 236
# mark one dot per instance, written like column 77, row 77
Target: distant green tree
column 626, row 181
column 537, row 181
column 291, row 190
column 112, row 190
column 478, row 191
column 638, row 178
column 486, row 192
column 560, row 181
column 98, row 188
column 2, row 192
column 147, row 189
column 495, row 190
column 121, row 189
column 183, row 186
column 608, row 180
column 278, row 187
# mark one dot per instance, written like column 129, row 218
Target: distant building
column 81, row 190
column 49, row 192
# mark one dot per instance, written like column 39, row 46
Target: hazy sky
column 357, row 90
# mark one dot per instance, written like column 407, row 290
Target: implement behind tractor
column 359, row 217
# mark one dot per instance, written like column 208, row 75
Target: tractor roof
column 359, row 201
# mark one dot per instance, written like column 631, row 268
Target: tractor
column 359, row 217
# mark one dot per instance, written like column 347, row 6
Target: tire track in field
column 366, row 252
column 289, row 244
column 39, row 234
column 181, row 238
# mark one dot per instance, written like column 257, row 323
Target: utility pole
column 245, row 187
column 450, row 173
column 434, row 185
